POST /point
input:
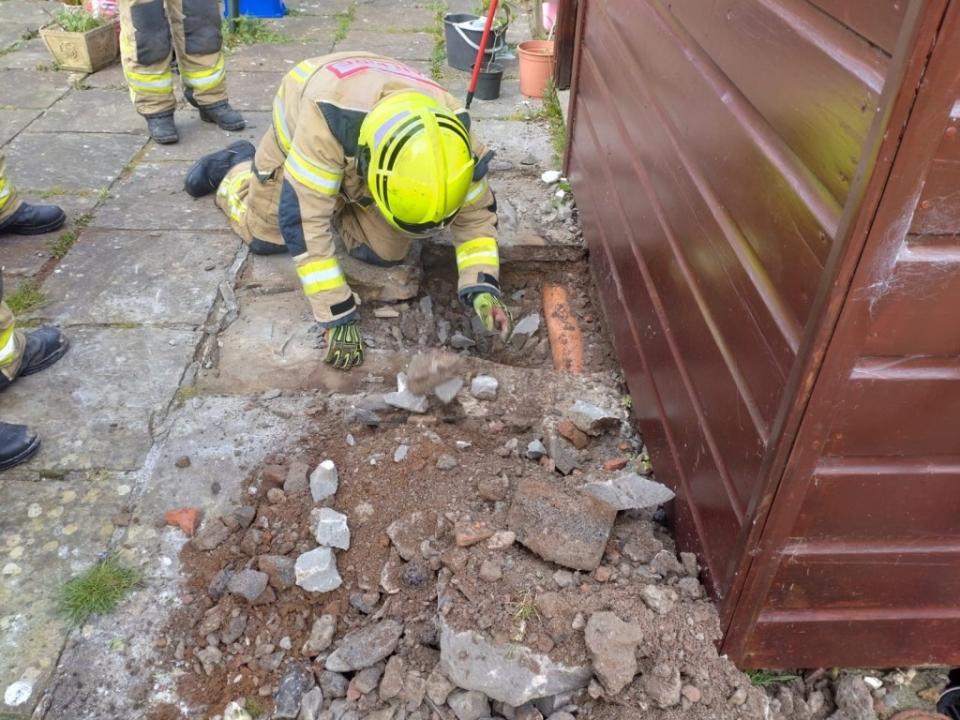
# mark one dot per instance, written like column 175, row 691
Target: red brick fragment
column 615, row 464
column 187, row 519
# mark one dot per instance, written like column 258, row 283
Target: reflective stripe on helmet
column 478, row 252
column 316, row 177
column 321, row 275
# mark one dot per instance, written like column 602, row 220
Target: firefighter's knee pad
column 151, row 32
column 201, row 27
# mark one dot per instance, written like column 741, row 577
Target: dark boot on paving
column 162, row 128
column 208, row 172
column 221, row 113
column 17, row 445
column 32, row 219
column 44, row 346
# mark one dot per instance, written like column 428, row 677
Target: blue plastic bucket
column 259, row 8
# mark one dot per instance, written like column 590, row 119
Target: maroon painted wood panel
column 731, row 161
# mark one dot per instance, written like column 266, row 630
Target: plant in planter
column 80, row 41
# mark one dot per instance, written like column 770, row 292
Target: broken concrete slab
column 612, row 644
column 428, row 370
column 630, row 492
column 508, row 672
column 153, row 198
column 152, row 277
column 559, row 527
column 516, row 139
column 92, row 111
column 98, row 423
column 384, row 284
column 592, row 419
column 70, row 161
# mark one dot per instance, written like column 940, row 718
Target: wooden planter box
column 85, row 52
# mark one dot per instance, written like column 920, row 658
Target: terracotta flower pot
column 536, row 66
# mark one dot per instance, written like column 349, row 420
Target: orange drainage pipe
column 566, row 341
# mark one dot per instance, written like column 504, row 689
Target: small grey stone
column 296, row 481
column 658, row 598
column 392, row 682
column 561, row 715
column 209, row 657
column 663, row 685
column 536, row 450
column 365, row 647
column 248, row 584
column 469, row 705
column 334, row 685
column 351, row 441
column 218, row 585
column 279, row 568
column 854, row 700
column 460, row 341
column 311, row 705
column 443, row 331
column 447, row 462
column 321, row 635
column 270, row 394
column 316, row 571
column 690, row 564
column 484, row 387
column 564, row 456
column 490, row 571
column 438, row 686
column 211, row 535
column 665, row 563
column 612, row 644
column 408, row 532
column 362, row 416
column 295, row 683
column 365, row 602
column 233, row 629
column 332, row 529
column 404, row 399
column 630, row 492
column 527, row 711
column 324, row 481
column 245, row 515
column 563, row 578
column 385, row 311
column 501, row 540
column 400, row 454
column 367, row 679
column 447, row 391
column 285, row 643
column 738, row 698
column 528, row 325
column 690, row 588
column 591, row 419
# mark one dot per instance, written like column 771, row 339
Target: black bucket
column 462, row 33
column 488, row 82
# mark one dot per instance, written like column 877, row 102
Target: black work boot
column 208, row 172
column 34, row 220
column 220, row 113
column 17, row 445
column 162, row 129
column 44, row 347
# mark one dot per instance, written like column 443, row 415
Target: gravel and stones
column 630, row 492
column 659, row 599
column 296, row 682
column 484, row 387
column 663, row 685
column 279, row 569
column 321, row 635
column 332, row 529
column 316, row 570
column 392, row 682
column 248, row 584
column 612, row 644
column 365, row 647
column 469, row 705
column 404, row 399
column 211, row 535
column 324, row 481
column 591, row 419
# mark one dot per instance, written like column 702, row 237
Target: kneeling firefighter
column 370, row 148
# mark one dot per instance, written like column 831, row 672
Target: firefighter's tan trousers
column 252, row 203
column 9, row 202
column 150, row 31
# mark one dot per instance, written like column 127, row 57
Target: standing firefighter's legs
column 9, row 202
column 146, row 51
column 196, row 29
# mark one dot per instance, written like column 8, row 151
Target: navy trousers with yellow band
column 150, row 32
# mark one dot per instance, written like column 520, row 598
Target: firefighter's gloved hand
column 344, row 346
column 494, row 314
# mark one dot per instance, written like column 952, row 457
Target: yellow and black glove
column 344, row 346
column 494, row 314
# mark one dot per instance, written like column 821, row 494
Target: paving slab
column 32, row 88
column 13, row 121
column 515, row 140
column 314, row 29
column 254, row 90
column 95, row 407
column 92, row 111
column 397, row 17
column 318, row 7
column 25, row 12
column 401, row 46
column 70, row 161
column 269, row 274
column 22, row 256
column 111, row 77
column 197, row 138
column 154, row 278
column 278, row 331
column 49, row 531
column 282, row 57
column 29, row 55
column 152, row 198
